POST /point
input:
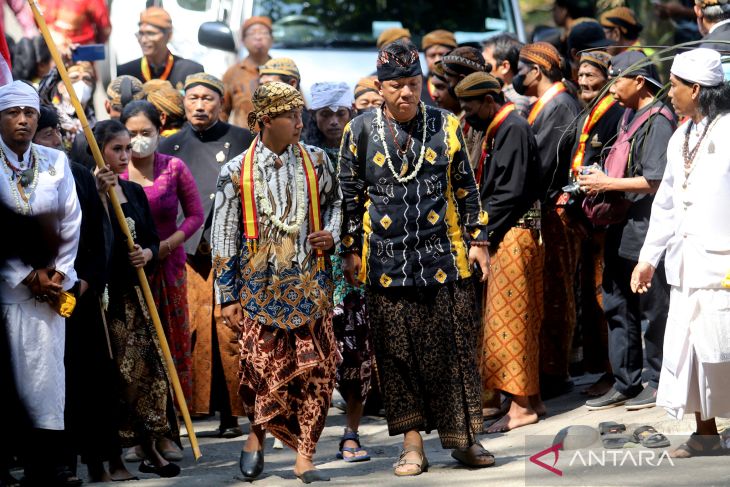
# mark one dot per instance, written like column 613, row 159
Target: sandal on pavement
column 313, row 475
column 699, row 446
column 650, row 437
column 421, row 466
column 353, row 457
column 611, row 427
column 167, row 471
column 475, row 456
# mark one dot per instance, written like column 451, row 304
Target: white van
column 330, row 40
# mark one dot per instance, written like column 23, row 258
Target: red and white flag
column 5, row 75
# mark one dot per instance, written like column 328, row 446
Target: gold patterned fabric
column 273, row 99
column 513, row 314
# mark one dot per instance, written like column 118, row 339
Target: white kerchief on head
column 702, row 66
column 19, row 94
column 332, row 95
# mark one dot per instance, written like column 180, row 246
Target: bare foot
column 516, row 417
column 497, row 411
column 118, row 471
column 538, row 406
column 303, row 464
column 600, row 387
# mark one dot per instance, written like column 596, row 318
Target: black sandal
column 650, row 437
column 168, row 471
column 478, row 457
column 699, row 446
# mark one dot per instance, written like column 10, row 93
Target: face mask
column 518, row 83
column 143, row 146
column 83, row 91
column 477, row 123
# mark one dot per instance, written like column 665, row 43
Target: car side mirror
column 216, row 35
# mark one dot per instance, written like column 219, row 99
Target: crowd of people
column 453, row 245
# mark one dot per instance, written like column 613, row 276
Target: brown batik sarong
column 425, row 346
column 513, row 315
column 287, row 378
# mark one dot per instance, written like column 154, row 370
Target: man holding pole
column 37, row 180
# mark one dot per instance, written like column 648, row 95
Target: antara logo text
column 604, row 458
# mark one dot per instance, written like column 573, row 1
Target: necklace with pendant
column 27, row 180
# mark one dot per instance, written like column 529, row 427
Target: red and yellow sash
column 489, row 136
column 598, row 111
column 551, row 93
column 147, row 74
column 250, row 216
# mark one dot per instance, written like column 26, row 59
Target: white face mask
column 83, row 91
column 143, row 146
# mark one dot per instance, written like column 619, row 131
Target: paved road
column 219, row 464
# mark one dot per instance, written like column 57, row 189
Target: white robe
column 36, row 333
column 690, row 227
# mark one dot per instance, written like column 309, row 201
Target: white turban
column 702, row 66
column 331, row 95
column 19, row 94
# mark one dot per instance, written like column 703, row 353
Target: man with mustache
column 157, row 62
column 205, row 143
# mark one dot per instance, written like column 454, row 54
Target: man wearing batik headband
column 539, row 75
column 456, row 65
column 37, row 180
column 205, row 143
column 619, row 198
column 442, row 94
column 594, row 131
column 508, row 174
column 277, row 215
column 689, row 226
column 435, row 45
column 367, row 95
column 409, row 192
column 713, row 19
column 622, row 28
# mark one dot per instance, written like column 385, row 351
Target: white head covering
column 331, row 95
column 702, row 66
column 19, row 94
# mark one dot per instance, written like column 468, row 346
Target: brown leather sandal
column 402, row 462
column 700, row 446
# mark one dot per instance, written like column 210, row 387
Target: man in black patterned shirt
column 408, row 191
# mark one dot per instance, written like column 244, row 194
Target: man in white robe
column 690, row 226
column 36, row 180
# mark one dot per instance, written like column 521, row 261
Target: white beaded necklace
column 22, row 205
column 262, row 199
column 381, row 132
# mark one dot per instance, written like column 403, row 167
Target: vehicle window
column 197, row 5
column 351, row 23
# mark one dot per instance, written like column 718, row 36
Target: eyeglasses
column 149, row 34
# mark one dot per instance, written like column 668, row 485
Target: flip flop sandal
column 615, row 441
column 610, row 427
column 402, row 462
column 698, row 446
column 650, row 437
column 352, row 436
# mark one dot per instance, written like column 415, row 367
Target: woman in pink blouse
column 168, row 184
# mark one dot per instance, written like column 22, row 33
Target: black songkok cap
column 48, row 117
column 398, row 59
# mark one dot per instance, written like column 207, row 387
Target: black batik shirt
column 409, row 234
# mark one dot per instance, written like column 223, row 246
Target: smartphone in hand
column 88, row 52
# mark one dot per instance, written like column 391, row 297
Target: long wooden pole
column 172, row 372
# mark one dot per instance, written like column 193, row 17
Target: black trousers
column 624, row 312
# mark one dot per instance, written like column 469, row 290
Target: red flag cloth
column 5, row 74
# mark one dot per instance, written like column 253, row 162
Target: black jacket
column 181, row 69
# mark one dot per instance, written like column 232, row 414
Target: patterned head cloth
column 398, row 59
column 157, row 17
column 164, row 97
column 82, row 67
column 478, row 84
column 438, row 71
column 543, row 54
column 599, row 59
column 438, row 37
column 623, row 19
column 19, row 94
column 282, row 66
column 204, row 79
column 271, row 99
column 124, row 89
column 392, row 35
column 463, row 60
column 365, row 85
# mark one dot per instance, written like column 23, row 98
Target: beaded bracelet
column 479, row 243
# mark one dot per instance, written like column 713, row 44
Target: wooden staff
column 122, row 223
